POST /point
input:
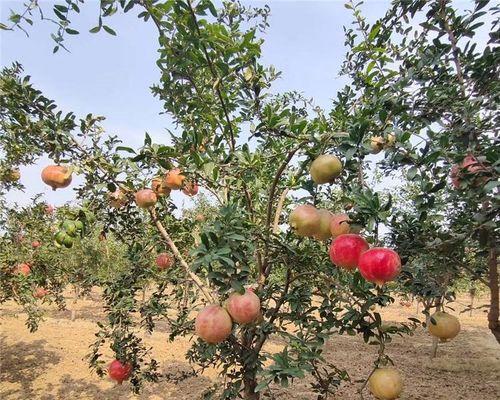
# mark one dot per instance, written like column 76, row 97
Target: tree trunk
column 249, row 385
column 472, row 293
column 75, row 299
column 493, row 314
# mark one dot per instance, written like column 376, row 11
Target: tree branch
column 197, row 281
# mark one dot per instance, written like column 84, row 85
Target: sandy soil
column 49, row 364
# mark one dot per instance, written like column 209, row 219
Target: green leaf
column 109, row 30
column 71, row 31
column 95, row 29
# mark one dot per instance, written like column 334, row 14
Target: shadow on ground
column 22, row 363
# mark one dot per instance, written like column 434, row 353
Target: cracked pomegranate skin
column 346, row 249
column 119, row 371
column 379, row 265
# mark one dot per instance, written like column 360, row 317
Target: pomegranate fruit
column 305, row 220
column 190, row 189
column 471, row 166
column 243, row 308
column 339, row 225
column 325, row 168
column 12, row 175
column 213, row 324
column 376, row 144
column 119, row 371
column 323, row 231
column 158, row 186
column 36, row 244
column 390, row 140
column 145, row 198
column 446, row 326
column 49, row 209
column 57, row 176
column 117, row 199
column 22, row 269
column 164, row 261
column 386, row 383
column 346, row 249
column 379, row 265
column 200, row 218
column 39, row 293
column 174, row 179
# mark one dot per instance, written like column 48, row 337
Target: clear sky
column 111, row 76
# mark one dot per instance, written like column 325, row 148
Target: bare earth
column 49, row 364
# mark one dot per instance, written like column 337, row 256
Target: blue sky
column 111, row 76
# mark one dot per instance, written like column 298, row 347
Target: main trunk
column 494, row 313
column 249, row 385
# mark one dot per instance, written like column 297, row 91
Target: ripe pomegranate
column 472, row 166
column 339, row 225
column 243, row 308
column 345, row 250
column 379, row 265
column 323, row 231
column 377, row 144
column 164, row 261
column 213, row 324
column 386, row 383
column 190, row 188
column 158, row 186
column 145, row 198
column 119, row 371
column 117, row 199
column 40, row 293
column 447, row 326
column 57, row 176
column 305, row 220
column 325, row 168
column 49, row 209
column 200, row 218
column 174, row 179
column 22, row 269
column 36, row 244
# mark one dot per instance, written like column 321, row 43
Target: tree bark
column 493, row 314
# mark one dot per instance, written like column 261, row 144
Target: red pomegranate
column 471, row 165
column 379, row 265
column 174, row 179
column 345, row 250
column 213, row 324
column 49, row 209
column 243, row 308
column 22, row 269
column 305, row 220
column 36, row 244
column 145, row 198
column 119, row 371
column 190, row 189
column 39, row 293
column 117, row 199
column 57, row 176
column 158, row 186
column 339, row 225
column 164, row 261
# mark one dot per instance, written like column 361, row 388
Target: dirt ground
column 49, row 364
